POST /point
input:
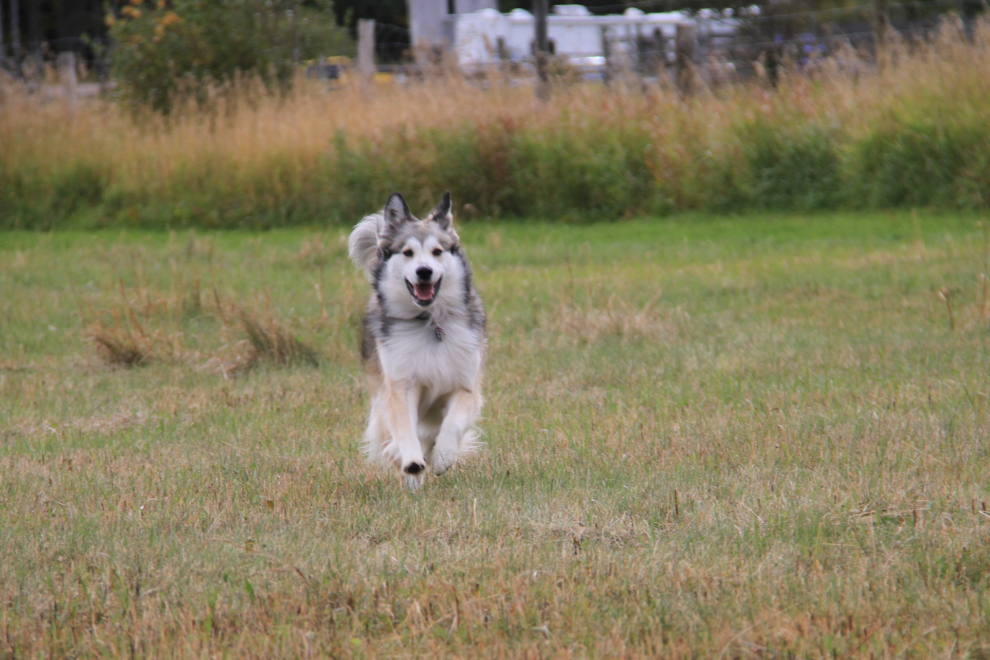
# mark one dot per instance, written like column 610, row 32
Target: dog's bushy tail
column 363, row 243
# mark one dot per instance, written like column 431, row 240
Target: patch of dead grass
column 118, row 347
column 272, row 342
column 615, row 317
column 122, row 340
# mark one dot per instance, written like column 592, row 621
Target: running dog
column 423, row 343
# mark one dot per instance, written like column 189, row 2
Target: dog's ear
column 396, row 214
column 442, row 213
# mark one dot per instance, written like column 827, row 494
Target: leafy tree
column 167, row 50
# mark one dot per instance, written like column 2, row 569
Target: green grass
column 706, row 437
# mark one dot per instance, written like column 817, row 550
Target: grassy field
column 705, row 437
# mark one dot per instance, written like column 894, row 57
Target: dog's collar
column 437, row 330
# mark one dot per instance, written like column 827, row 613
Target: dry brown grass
column 148, row 326
column 272, row 341
column 117, row 350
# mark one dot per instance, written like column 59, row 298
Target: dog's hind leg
column 455, row 432
column 401, row 412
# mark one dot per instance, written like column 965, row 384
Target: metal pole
column 540, row 10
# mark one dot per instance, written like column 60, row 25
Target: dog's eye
column 437, row 252
column 407, row 252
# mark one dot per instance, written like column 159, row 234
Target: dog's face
column 420, row 256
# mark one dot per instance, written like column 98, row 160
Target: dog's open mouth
column 424, row 293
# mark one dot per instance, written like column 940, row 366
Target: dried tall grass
column 133, row 334
column 837, row 133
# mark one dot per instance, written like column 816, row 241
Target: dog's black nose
column 424, row 273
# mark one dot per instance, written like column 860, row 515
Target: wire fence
column 392, row 43
column 805, row 35
column 738, row 39
column 34, row 56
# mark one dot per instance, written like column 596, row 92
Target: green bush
column 790, row 166
column 598, row 177
column 174, row 50
column 931, row 163
column 503, row 168
column 31, row 198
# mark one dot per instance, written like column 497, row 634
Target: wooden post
column 540, row 10
column 295, row 35
column 501, row 50
column 34, row 30
column 882, row 25
column 607, row 54
column 366, row 49
column 685, row 46
column 15, row 28
column 67, row 76
column 3, row 53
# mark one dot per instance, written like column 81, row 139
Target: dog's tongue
column 424, row 291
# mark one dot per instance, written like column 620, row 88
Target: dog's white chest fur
column 412, row 352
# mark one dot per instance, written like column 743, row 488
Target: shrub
column 790, row 166
column 930, row 163
column 174, row 50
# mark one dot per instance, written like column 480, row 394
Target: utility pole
column 540, row 10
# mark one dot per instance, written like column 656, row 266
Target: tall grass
column 837, row 134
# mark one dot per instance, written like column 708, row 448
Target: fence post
column 296, row 37
column 685, row 45
column 882, row 23
column 540, row 10
column 607, row 54
column 366, row 49
column 67, row 76
column 15, row 29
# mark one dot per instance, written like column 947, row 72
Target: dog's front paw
column 443, row 460
column 413, row 467
column 412, row 474
column 413, row 481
